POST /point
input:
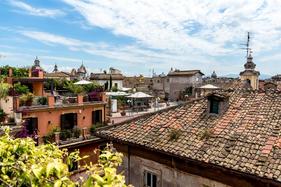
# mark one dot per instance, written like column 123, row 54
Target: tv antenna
column 247, row 45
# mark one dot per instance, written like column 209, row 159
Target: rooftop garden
column 17, row 72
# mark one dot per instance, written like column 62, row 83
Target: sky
column 141, row 36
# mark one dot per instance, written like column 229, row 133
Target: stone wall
column 166, row 176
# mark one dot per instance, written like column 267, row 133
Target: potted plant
column 76, row 132
column 42, row 100
column 123, row 113
column 26, row 99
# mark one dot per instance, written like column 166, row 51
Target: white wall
column 119, row 83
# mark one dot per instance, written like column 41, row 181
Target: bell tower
column 250, row 75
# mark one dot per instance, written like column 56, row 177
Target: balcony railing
column 53, row 101
column 68, row 136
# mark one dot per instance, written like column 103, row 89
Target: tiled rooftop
column 246, row 137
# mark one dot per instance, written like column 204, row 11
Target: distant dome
column 214, row 75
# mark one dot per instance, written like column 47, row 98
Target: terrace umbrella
column 83, row 82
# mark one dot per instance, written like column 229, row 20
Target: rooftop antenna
column 247, row 45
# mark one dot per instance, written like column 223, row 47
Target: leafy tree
column 17, row 72
column 91, row 87
column 106, row 86
column 76, row 89
column 21, row 89
column 24, row 164
column 4, row 89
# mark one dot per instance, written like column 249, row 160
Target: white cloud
column 188, row 26
column 28, row 9
column 129, row 57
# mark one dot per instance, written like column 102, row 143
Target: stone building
column 113, row 74
column 181, row 80
column 224, row 139
column 56, row 74
column 139, row 83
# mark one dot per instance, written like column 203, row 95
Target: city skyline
column 138, row 36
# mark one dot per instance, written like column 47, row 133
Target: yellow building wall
column 254, row 80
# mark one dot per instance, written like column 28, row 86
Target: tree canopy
column 22, row 163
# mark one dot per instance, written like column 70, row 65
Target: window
column 97, row 116
column 214, row 106
column 31, row 125
column 150, row 179
column 115, row 85
column 68, row 121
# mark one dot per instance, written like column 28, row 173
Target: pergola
column 139, row 100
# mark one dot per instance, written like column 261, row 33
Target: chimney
column 80, row 99
column 29, row 72
column 51, row 101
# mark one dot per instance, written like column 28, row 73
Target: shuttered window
column 214, row 106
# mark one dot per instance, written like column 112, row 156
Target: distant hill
column 262, row 76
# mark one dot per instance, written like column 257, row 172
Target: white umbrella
column 139, row 95
column 209, row 86
column 116, row 93
column 83, row 82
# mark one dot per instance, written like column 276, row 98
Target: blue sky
column 137, row 36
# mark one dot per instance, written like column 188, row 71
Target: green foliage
column 106, row 86
column 105, row 172
column 65, row 134
column 76, row 89
column 76, row 132
column 50, row 137
column 175, row 134
column 2, row 115
column 24, row 164
column 91, row 87
column 114, row 89
column 95, row 126
column 42, row 100
column 26, row 99
column 110, row 82
column 21, row 89
column 4, row 90
column 17, row 72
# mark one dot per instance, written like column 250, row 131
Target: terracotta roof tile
column 246, row 137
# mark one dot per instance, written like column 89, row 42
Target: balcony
column 71, row 136
column 41, row 102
